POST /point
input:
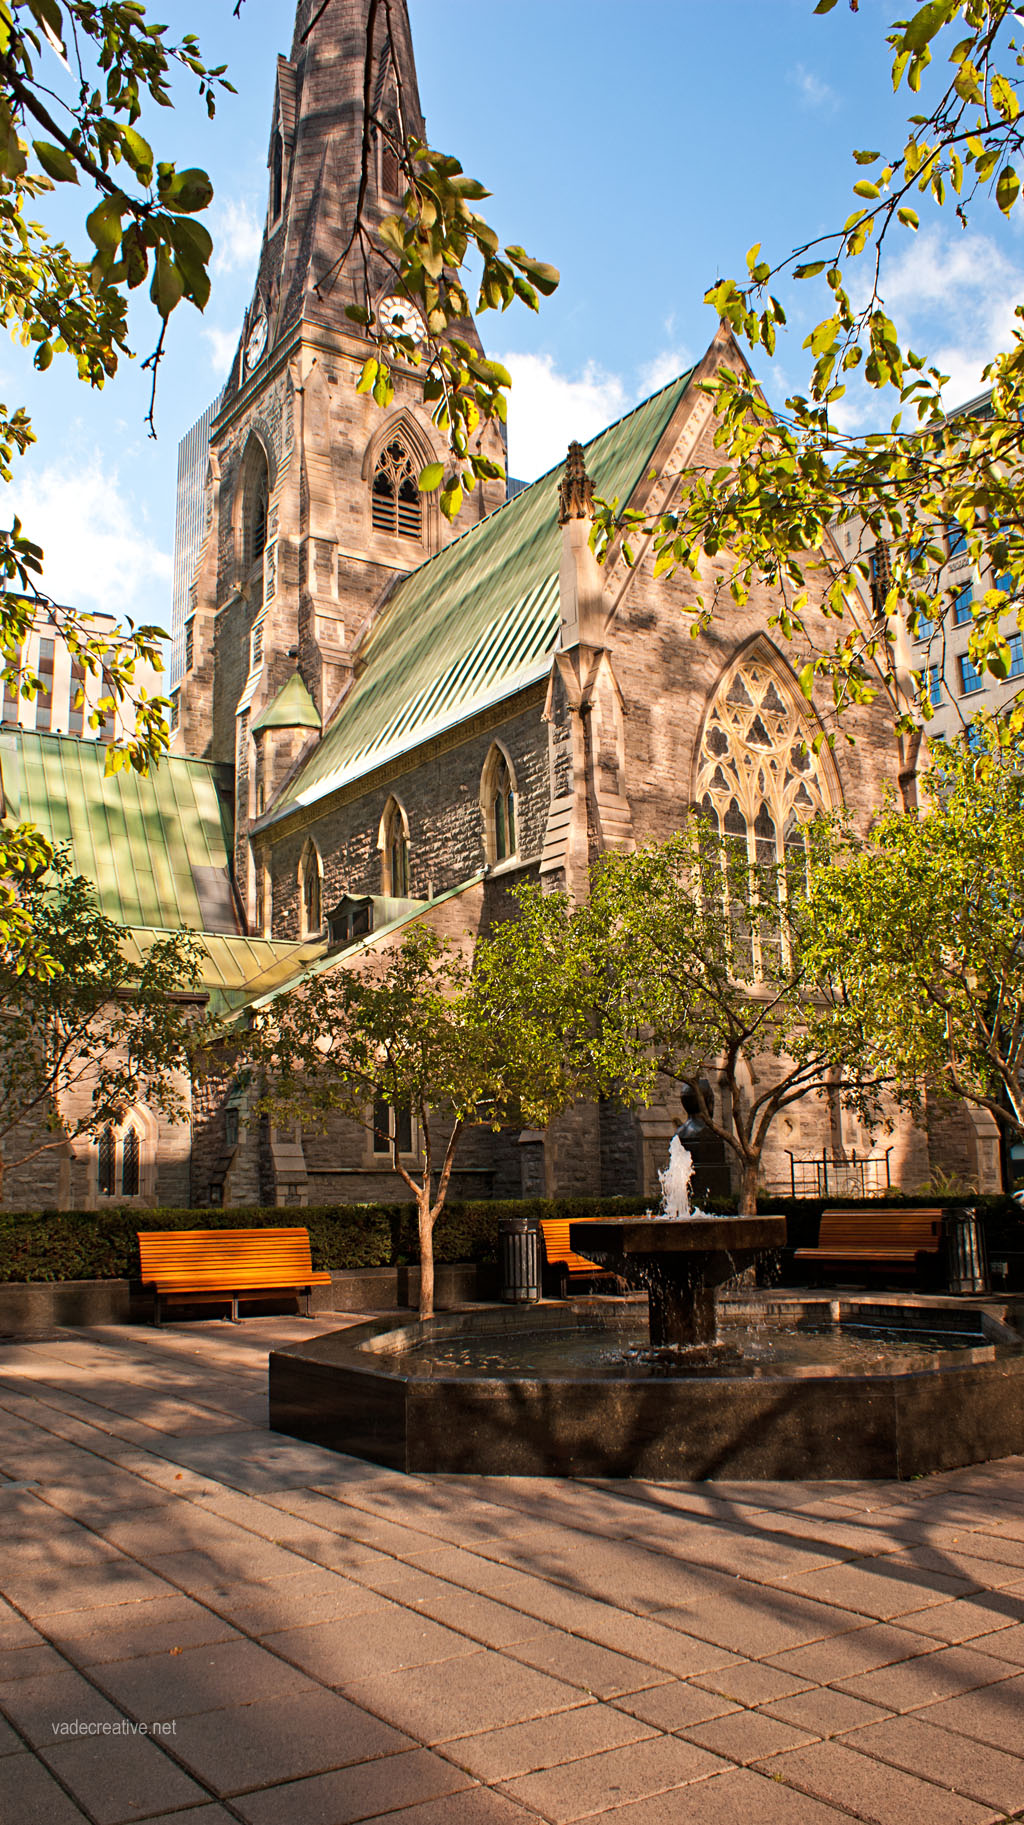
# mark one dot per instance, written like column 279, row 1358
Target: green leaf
column 866, row 158
column 1007, row 188
column 103, row 225
column 431, row 477
column 168, row 285
column 825, row 6
column 138, row 153
column 57, row 163
column 866, row 189
column 184, row 191
column 807, row 680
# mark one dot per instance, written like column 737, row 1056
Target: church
column 382, row 718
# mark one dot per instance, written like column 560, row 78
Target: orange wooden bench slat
column 895, row 1237
column 226, row 1263
column 558, row 1253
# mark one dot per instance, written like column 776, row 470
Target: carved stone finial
column 576, row 490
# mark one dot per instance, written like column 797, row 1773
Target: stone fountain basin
column 347, row 1391
column 625, row 1236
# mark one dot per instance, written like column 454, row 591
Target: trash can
column 519, row 1240
column 966, row 1255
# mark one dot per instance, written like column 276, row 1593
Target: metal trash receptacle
column 966, row 1254
column 519, row 1241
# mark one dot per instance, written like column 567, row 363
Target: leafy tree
column 97, row 1033
column 922, row 928
column 421, row 1031
column 782, row 479
column 693, row 959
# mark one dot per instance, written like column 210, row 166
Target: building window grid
column 1016, row 646
column 971, row 679
column 190, row 643
column 963, row 606
column 76, row 698
column 391, row 1122
column 44, row 699
column 930, row 682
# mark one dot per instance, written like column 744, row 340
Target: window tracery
column 759, row 784
column 395, row 500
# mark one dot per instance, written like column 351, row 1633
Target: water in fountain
column 675, row 1185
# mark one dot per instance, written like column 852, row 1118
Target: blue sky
column 642, row 149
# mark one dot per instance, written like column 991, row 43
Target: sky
column 641, row 148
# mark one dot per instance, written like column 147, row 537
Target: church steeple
column 335, row 124
column 312, row 502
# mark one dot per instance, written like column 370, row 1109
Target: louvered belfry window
column 396, row 502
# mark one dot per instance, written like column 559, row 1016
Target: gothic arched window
column 390, row 165
column 396, row 502
column 760, row 784
column 394, row 846
column 276, row 176
column 311, row 891
column 498, row 799
column 130, row 1164
column 107, row 1177
column 255, row 504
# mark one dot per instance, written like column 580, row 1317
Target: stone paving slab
column 326, row 1642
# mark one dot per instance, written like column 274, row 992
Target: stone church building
column 382, row 718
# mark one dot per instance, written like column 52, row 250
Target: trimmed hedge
column 101, row 1244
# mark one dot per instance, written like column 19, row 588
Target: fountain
column 679, row 1256
column 823, row 1386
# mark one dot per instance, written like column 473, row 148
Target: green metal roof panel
column 292, row 708
column 236, row 969
column 476, row 622
column 140, row 839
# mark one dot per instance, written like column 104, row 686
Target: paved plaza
column 203, row 1621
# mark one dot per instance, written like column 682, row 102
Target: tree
column 696, row 959
column 783, row 479
column 418, row 1035
column 97, row 1034
column 922, row 926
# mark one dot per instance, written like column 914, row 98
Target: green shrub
column 101, row 1244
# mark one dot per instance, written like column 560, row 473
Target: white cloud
column 237, row 231
column 97, row 553
column 223, row 344
column 548, row 409
column 813, row 92
column 955, row 296
column 666, row 366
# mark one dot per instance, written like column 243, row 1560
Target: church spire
column 341, row 106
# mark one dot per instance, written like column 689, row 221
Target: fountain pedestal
column 679, row 1263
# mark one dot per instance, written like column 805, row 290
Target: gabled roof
column 475, row 623
column 158, row 848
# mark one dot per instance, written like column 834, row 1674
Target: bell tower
column 312, row 508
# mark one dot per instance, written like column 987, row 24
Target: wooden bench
column 892, row 1239
column 564, row 1261
column 221, row 1266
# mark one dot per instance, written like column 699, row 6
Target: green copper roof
column 292, row 708
column 235, row 969
column 158, row 848
column 476, row 622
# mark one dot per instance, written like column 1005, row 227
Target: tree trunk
column 747, row 1205
column 425, row 1226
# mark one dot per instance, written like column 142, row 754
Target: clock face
column 257, row 342
column 401, row 318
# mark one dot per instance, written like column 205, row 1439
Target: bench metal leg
column 234, row 1309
